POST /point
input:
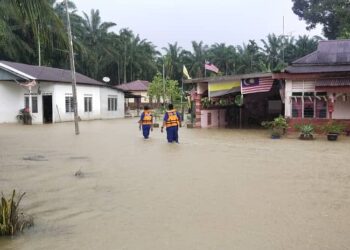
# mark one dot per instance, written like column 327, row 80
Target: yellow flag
column 185, row 72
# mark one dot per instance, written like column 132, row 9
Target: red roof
column 137, row 85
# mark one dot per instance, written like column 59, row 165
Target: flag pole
column 182, row 93
column 72, row 66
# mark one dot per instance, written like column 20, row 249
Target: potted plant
column 333, row 129
column 276, row 127
column 306, row 131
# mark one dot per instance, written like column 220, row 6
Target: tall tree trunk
column 125, row 64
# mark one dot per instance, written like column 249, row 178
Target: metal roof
column 43, row 73
column 137, row 85
column 334, row 82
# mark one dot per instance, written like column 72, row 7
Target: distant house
column 50, row 98
column 317, row 86
column 138, row 90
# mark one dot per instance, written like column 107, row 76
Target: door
column 47, row 108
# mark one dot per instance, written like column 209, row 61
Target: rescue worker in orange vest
column 172, row 121
column 146, row 122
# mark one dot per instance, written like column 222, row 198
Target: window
column 34, row 103
column 69, row 104
column 112, row 103
column 87, row 104
column 309, row 105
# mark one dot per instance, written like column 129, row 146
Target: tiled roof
column 138, row 85
column 43, row 73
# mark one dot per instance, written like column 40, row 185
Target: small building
column 48, row 93
column 137, row 94
column 317, row 86
column 215, row 100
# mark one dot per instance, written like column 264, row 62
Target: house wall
column 11, row 101
column 144, row 98
column 341, row 105
column 341, row 108
column 60, row 92
column 104, row 94
column 217, row 118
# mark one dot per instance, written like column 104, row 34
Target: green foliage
column 305, row 129
column 11, row 220
column 278, row 123
column 239, row 100
column 333, row 128
column 333, row 15
column 125, row 56
column 157, row 91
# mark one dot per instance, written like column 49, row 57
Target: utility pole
column 283, row 40
column 72, row 66
column 163, row 82
column 39, row 46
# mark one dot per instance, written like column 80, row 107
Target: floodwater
column 217, row 189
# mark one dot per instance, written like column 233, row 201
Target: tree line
column 34, row 32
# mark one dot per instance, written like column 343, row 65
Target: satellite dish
column 106, row 79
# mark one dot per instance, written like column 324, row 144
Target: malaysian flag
column 256, row 85
column 211, row 67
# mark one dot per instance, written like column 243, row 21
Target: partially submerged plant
column 306, row 130
column 277, row 126
column 11, row 220
column 333, row 128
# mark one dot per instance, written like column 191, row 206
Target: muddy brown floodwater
column 217, row 189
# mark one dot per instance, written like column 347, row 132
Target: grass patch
column 12, row 220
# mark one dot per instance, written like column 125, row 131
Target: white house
column 317, row 86
column 51, row 95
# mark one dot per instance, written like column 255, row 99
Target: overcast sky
column 233, row 22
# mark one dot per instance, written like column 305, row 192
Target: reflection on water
column 217, row 189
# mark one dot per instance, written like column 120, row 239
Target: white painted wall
column 12, row 100
column 119, row 113
column 287, row 100
column 341, row 108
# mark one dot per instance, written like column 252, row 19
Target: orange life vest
column 147, row 118
column 173, row 120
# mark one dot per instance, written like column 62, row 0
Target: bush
column 278, row 123
column 333, row 128
column 277, row 126
column 11, row 220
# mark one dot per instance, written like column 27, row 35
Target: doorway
column 47, row 108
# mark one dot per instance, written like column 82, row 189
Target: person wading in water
column 172, row 122
column 146, row 122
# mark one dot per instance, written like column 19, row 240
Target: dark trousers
column 172, row 134
column 145, row 130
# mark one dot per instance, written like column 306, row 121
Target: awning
column 333, row 85
column 334, row 82
column 216, row 89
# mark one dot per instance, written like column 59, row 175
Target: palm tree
column 96, row 42
column 224, row 57
column 30, row 27
column 198, row 58
column 173, row 64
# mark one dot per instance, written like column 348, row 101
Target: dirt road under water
column 217, row 189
